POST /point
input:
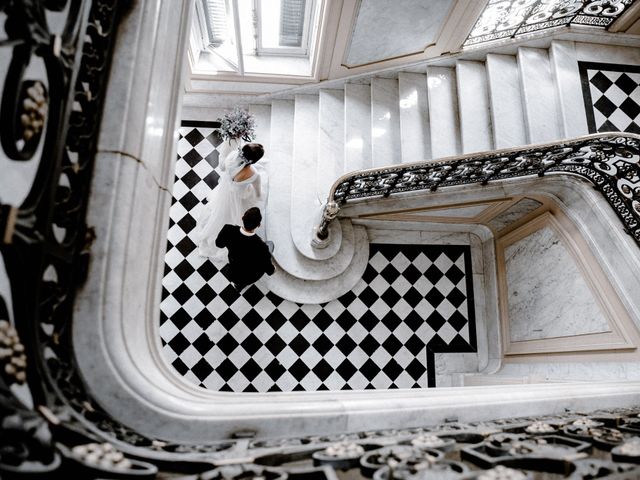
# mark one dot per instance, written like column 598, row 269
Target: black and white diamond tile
column 612, row 96
column 412, row 301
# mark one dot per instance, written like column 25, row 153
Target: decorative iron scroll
column 511, row 18
column 611, row 162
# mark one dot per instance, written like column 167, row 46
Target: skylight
column 239, row 29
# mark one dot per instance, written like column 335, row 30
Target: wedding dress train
column 227, row 202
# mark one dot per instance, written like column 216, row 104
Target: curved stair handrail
column 610, row 161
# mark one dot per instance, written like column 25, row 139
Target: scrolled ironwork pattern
column 508, row 18
column 611, row 162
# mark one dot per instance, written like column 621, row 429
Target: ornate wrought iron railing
column 611, row 162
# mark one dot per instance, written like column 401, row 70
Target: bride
column 241, row 185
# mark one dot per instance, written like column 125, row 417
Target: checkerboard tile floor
column 612, row 97
column 412, row 301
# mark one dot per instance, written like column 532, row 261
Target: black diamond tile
column 184, row 269
column 608, row 127
column 369, row 274
column 416, row 369
column 180, row 318
column 215, row 138
column 436, row 321
column 204, row 319
column 369, row 344
column 626, row 83
column 368, row 296
column 250, row 389
column 192, row 157
column 226, row 370
column 346, row 320
column 633, row 128
column 322, row 370
column 322, row 344
column 203, row 344
column 207, row 270
column 457, row 321
column 347, row 298
column 275, row 345
column 252, row 320
column 250, row 369
column 392, row 369
column 411, row 274
column 182, row 294
column 415, row 344
column 414, row 321
column 229, row 295
column 605, row 106
column 189, row 200
column 202, row 369
column 299, row 369
column 206, row 294
column 322, row 320
column 391, row 321
column 601, row 82
column 434, row 297
column 630, row 108
column 299, row 320
column 368, row 320
column 275, row 299
column 187, row 223
column 276, row 320
column 370, row 369
column 456, row 297
column 185, row 247
column 213, row 158
column 252, row 295
column 194, row 137
column 389, row 273
column 190, row 179
column 412, row 297
column 275, row 370
column 251, row 344
column 179, row 343
column 433, row 274
column 180, row 366
column 299, row 344
column 346, row 369
column 454, row 274
column 227, row 344
column 392, row 345
column 390, row 297
column 346, row 345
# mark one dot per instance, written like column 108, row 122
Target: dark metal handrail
column 611, row 162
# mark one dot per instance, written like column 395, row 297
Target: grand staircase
column 428, row 113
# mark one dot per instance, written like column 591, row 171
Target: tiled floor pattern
column 612, row 96
column 412, row 300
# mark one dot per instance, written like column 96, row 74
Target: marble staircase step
column 311, row 291
column 505, row 97
column 443, row 112
column 473, row 102
column 415, row 136
column 566, row 76
column 357, row 127
column 330, row 163
column 541, row 112
column 385, row 122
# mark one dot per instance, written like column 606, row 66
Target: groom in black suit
column 249, row 255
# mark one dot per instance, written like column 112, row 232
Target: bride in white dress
column 241, row 185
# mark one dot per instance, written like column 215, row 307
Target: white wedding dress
column 227, row 202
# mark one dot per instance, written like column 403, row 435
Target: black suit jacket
column 249, row 257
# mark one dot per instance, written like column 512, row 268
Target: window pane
column 292, row 22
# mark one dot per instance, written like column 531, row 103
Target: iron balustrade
column 611, row 162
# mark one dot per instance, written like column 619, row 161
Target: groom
column 249, row 255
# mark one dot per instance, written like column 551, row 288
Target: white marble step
column 415, row 136
column 330, row 164
column 541, row 112
column 385, row 122
column 473, row 103
column 282, row 190
column 357, row 127
column 295, row 289
column 262, row 114
column 443, row 112
column 566, row 75
column 507, row 115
